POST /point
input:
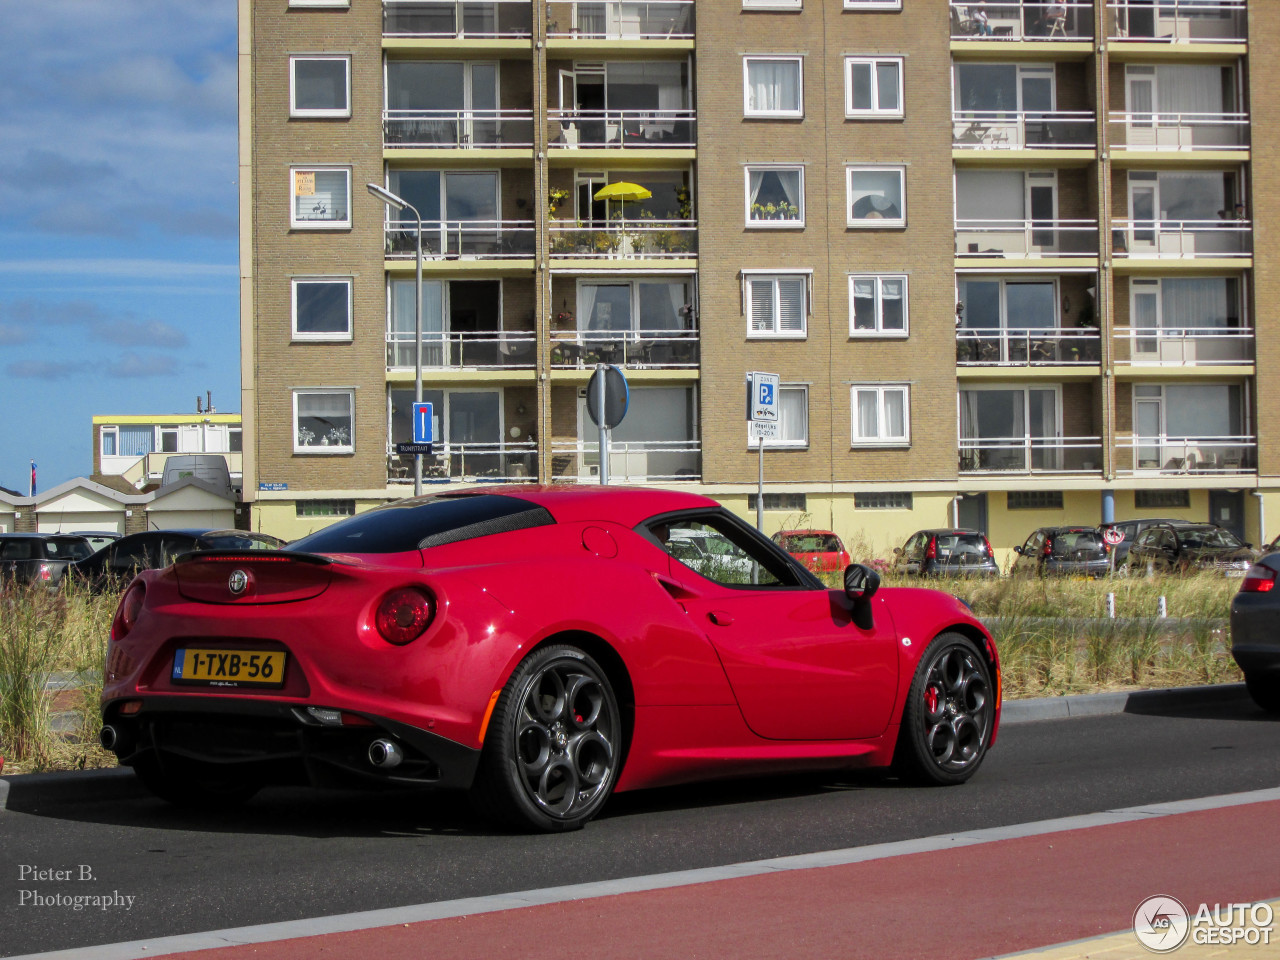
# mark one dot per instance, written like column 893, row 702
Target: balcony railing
column 1028, row 347
column 1026, row 238
column 1181, row 239
column 1179, row 131
column 1186, row 455
column 487, row 462
column 659, row 349
column 488, row 350
column 457, row 128
column 1190, row 21
column 1022, row 20
column 633, row 462
column 1031, row 455
column 620, row 20
column 614, row 129
column 480, row 239
column 456, row 19
column 630, row 239
column 1184, row 346
column 1008, row 130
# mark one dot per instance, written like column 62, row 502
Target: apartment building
column 1005, row 256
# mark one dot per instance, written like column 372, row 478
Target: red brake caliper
column 931, row 699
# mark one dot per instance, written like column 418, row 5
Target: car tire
column 949, row 715
column 193, row 784
column 553, row 747
column 1265, row 692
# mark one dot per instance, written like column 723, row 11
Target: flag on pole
column 33, row 479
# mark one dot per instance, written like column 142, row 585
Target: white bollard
column 1111, row 605
column 1162, row 610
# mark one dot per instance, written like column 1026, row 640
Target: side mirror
column 860, row 582
column 1248, row 546
column 1018, row 550
column 898, row 551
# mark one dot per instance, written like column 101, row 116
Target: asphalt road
column 292, row 854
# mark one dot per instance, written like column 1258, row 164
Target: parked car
column 709, row 553
column 539, row 647
column 819, row 550
column 1255, row 643
column 946, row 553
column 117, row 563
column 1131, row 529
column 1182, row 547
column 39, row 557
column 1063, row 551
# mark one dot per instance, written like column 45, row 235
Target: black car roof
column 28, row 535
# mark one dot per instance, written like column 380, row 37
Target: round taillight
column 127, row 613
column 403, row 614
column 1259, row 579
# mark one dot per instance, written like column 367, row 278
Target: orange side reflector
column 488, row 712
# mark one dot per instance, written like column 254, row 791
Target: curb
column 1105, row 704
column 26, row 790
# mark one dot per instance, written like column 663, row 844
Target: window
column 883, row 501
column 873, row 4
column 878, row 306
column 1034, row 499
column 235, row 440
column 324, row 508
column 877, row 196
column 873, row 87
column 793, row 418
column 319, row 3
column 771, row 4
column 321, row 198
column 777, row 305
column 1161, row 499
column 881, row 415
column 168, row 439
column 110, row 436
column 780, row 501
column 320, row 86
column 324, row 421
column 774, row 87
column 322, row 309
column 775, row 196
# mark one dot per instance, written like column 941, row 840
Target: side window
column 126, row 558
column 916, row 547
column 716, row 548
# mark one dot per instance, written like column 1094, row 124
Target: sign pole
column 760, row 489
column 603, row 429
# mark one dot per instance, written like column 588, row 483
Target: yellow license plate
column 229, row 667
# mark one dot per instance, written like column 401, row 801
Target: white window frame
column 782, row 443
column 293, row 300
column 751, row 224
column 874, row 224
column 294, row 222
column 873, row 4
column 320, row 449
column 880, row 390
column 104, row 431
column 879, row 331
column 319, row 3
column 294, row 109
column 797, row 113
column 874, row 112
column 772, row 4
column 752, row 276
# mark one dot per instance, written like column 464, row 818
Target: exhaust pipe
column 111, row 738
column 385, row 754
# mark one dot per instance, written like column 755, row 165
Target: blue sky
column 118, row 207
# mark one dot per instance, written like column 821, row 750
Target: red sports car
column 541, row 647
column 819, row 550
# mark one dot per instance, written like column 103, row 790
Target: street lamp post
column 399, row 203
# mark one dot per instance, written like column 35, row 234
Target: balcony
column 1030, row 455
column 485, row 350
column 1179, row 131
column 1204, row 455
column 1045, row 346
column 622, row 129
column 640, row 461
column 458, row 19
column 482, row 462
column 1184, row 346
column 1177, row 21
column 1181, row 239
column 1038, row 20
column 621, row 20
column 457, row 129
column 1008, row 130
column 650, row 349
column 1026, row 239
column 639, row 239
column 453, row 239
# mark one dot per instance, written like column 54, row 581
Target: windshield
column 1208, row 537
column 1072, row 543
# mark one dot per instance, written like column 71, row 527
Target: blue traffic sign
column 422, row 423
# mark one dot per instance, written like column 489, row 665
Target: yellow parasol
column 623, row 191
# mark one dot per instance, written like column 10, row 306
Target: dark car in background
column 1185, row 547
column 1131, row 529
column 946, row 553
column 821, row 551
column 1255, row 642
column 1063, row 551
column 39, row 557
column 115, row 565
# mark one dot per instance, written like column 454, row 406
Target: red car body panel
column 715, row 680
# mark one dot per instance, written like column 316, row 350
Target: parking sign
column 762, row 397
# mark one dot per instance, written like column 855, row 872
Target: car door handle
column 720, row 618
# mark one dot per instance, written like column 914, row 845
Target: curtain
column 676, row 295
column 1188, row 88
column 868, row 415
column 895, row 414
column 329, row 201
column 1194, row 301
column 757, row 179
column 793, row 414
column 401, row 323
column 892, row 303
column 990, row 195
column 586, row 304
column 864, row 303
column 773, row 85
column 136, row 441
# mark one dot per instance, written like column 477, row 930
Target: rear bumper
column 282, row 743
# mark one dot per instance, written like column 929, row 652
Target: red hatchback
column 541, row 647
column 819, row 550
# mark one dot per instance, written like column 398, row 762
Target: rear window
column 1209, row 537
column 1069, row 543
column 67, row 548
column 812, row 543
column 418, row 524
column 960, row 546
